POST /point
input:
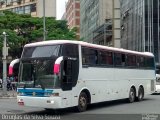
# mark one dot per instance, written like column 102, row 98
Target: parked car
column 157, row 82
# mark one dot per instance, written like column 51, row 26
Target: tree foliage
column 22, row 29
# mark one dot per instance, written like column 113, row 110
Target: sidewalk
column 10, row 94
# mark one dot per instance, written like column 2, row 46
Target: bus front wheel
column 132, row 95
column 82, row 102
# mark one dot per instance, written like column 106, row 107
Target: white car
column 157, row 82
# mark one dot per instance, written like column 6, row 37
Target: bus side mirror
column 11, row 66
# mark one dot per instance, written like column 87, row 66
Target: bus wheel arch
column 140, row 93
column 132, row 94
column 83, row 100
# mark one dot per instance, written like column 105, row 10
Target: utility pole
column 5, row 54
column 44, row 22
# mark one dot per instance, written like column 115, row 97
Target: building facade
column 73, row 15
column 140, row 26
column 97, row 21
column 93, row 15
column 32, row 7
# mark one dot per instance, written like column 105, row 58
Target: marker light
column 56, row 68
column 57, row 64
column 12, row 65
column 10, row 70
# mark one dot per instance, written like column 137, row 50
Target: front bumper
column 41, row 102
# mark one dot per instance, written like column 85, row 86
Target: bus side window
column 89, row 56
column 118, row 59
column 131, row 60
column 140, row 61
column 70, row 50
column 110, row 58
column 123, row 59
column 149, row 62
column 105, row 58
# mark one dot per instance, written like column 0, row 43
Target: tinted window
column 140, row 61
column 118, row 59
column 89, row 56
column 70, row 50
column 149, row 62
column 131, row 61
column 105, row 58
column 41, row 51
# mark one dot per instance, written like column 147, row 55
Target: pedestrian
column 8, row 84
column 13, row 87
column 1, row 83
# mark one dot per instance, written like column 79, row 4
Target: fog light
column 50, row 101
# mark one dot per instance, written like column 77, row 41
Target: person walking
column 1, row 83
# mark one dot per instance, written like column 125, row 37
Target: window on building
column 27, row 9
column 33, row 8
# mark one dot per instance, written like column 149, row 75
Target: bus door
column 68, row 75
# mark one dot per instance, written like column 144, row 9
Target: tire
column 140, row 94
column 132, row 95
column 82, row 102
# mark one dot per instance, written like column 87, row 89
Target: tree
column 24, row 29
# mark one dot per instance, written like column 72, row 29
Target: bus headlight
column 51, row 94
column 20, row 94
column 55, row 94
column 47, row 94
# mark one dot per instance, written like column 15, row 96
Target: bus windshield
column 37, row 73
column 36, row 67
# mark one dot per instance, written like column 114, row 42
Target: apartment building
column 141, row 26
column 73, row 15
column 32, row 7
column 97, row 21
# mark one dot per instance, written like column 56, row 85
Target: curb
column 8, row 97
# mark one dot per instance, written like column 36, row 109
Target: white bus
column 59, row 74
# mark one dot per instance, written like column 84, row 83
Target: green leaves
column 24, row 29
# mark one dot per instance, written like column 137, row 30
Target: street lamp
column 5, row 54
column 44, row 22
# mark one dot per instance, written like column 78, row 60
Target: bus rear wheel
column 132, row 95
column 140, row 94
column 82, row 102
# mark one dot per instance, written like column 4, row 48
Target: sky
column 60, row 8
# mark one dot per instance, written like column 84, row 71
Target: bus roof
column 53, row 42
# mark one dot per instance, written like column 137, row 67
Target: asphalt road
column 149, row 109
